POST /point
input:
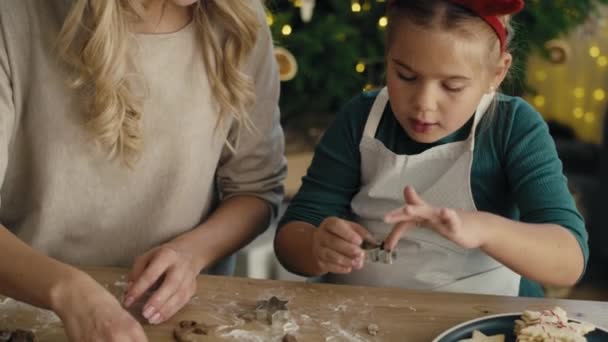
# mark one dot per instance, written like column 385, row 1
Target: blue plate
column 502, row 324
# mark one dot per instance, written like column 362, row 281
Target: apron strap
column 375, row 114
column 482, row 108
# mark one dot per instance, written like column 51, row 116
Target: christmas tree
column 339, row 47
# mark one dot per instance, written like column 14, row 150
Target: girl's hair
column 446, row 15
column 95, row 40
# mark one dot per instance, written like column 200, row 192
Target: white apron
column 442, row 177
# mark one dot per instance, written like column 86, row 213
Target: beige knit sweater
column 61, row 195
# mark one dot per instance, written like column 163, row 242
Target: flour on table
column 234, row 327
column 194, row 300
column 121, row 284
column 13, row 310
column 260, row 332
column 245, row 335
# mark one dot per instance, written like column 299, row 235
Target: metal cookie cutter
column 376, row 253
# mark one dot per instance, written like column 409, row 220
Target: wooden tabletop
column 297, row 165
column 319, row 312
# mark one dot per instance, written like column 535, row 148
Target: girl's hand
column 90, row 313
column 336, row 246
column 171, row 266
column 461, row 227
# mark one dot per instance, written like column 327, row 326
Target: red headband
column 489, row 10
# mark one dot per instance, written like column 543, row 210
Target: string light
column 585, row 100
column 599, row 94
column 360, row 67
column 594, row 51
column 539, row 101
column 541, row 75
column 581, row 104
column 269, row 18
column 383, row 21
column 286, row 30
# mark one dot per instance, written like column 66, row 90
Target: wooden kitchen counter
column 319, row 312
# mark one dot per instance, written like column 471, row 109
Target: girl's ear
column 501, row 71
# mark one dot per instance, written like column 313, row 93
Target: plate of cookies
column 528, row 326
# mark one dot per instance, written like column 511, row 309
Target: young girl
column 463, row 184
column 130, row 133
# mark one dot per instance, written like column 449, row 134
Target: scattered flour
column 340, row 307
column 245, row 335
column 121, row 284
column 13, row 310
column 265, row 334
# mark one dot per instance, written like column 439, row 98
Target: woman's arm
column 88, row 311
column 32, row 277
column 249, row 182
column 236, row 222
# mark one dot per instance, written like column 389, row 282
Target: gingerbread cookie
column 190, row 331
column 289, row 338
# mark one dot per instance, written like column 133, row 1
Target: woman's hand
column 461, row 227
column 172, row 267
column 336, row 246
column 90, row 314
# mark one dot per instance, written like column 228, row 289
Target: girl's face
column 436, row 78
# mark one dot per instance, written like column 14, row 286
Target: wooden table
column 297, row 165
column 319, row 312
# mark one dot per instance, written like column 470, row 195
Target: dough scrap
column 190, row 331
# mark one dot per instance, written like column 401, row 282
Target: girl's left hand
column 461, row 227
column 175, row 268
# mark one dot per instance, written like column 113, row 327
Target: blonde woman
column 133, row 133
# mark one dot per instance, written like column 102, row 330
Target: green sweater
column 516, row 172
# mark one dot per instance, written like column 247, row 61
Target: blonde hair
column 94, row 42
